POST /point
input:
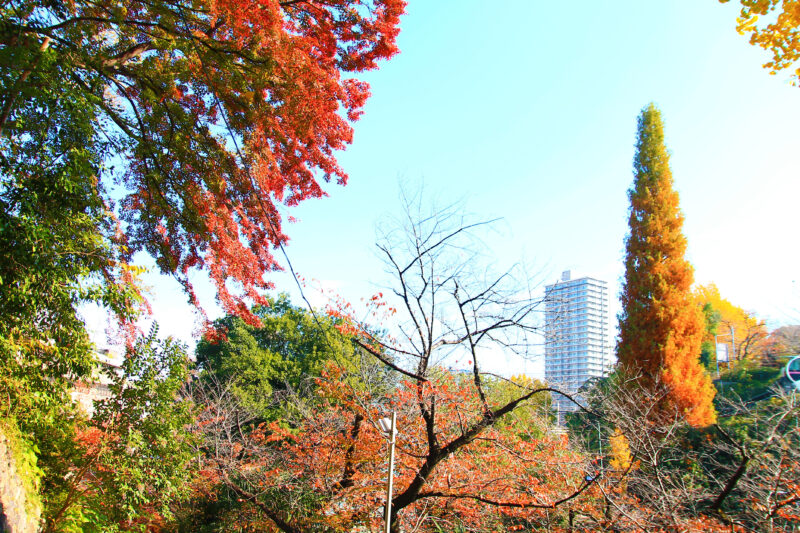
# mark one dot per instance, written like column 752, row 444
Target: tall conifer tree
column 661, row 327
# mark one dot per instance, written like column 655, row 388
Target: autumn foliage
column 735, row 326
column 660, row 326
column 220, row 112
column 328, row 470
column 780, row 36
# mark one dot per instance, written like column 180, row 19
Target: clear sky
column 527, row 110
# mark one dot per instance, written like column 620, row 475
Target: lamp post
column 733, row 347
column 389, row 428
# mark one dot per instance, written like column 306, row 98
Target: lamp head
column 385, row 425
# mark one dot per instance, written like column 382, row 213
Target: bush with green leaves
column 126, row 465
column 263, row 365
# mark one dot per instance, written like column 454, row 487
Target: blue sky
column 527, row 111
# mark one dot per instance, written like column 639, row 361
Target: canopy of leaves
column 282, row 355
column 216, row 113
column 59, row 244
column 661, row 328
column 780, row 36
column 123, row 469
column 734, row 325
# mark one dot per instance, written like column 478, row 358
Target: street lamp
column 389, row 428
column 733, row 347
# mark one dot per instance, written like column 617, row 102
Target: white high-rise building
column 577, row 335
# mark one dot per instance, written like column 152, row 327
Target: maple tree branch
column 519, row 505
column 740, row 470
column 349, row 469
column 380, row 357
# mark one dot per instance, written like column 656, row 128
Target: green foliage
column 58, row 242
column 532, row 419
column 747, row 381
column 23, row 453
column 708, row 354
column 56, row 239
column 287, row 349
column 132, row 460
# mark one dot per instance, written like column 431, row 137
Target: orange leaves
column 232, row 109
column 91, row 438
column 661, row 328
column 338, row 454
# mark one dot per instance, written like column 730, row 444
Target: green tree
column 284, row 352
column 60, row 249
column 708, row 350
column 661, row 327
column 533, row 418
column 124, row 468
column 174, row 128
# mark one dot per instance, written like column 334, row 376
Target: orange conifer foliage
column 660, row 327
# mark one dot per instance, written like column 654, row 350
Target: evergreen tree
column 661, row 327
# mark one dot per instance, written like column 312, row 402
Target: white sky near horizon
column 526, row 111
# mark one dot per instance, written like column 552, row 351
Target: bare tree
column 757, row 462
column 454, row 307
column 657, row 488
column 322, row 467
column 741, row 472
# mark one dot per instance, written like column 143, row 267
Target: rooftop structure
column 86, row 392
